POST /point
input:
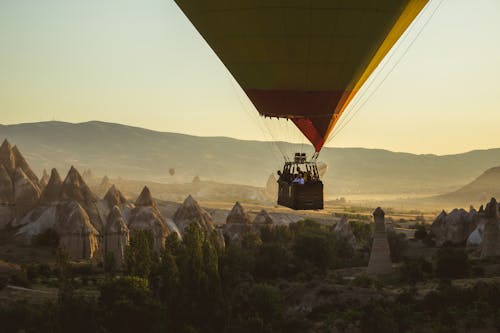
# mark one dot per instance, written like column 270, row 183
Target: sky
column 142, row 63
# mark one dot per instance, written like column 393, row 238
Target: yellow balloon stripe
column 411, row 11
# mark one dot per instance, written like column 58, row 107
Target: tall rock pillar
column 380, row 256
column 490, row 246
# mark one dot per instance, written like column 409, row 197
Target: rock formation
column 76, row 233
column 490, row 246
column 344, row 230
column 263, row 218
column 75, row 188
column 114, row 197
column 146, row 216
column 6, row 187
column 116, row 236
column 21, row 163
column 272, row 187
column 52, row 192
column 26, row 194
column 380, row 256
column 454, row 227
column 237, row 224
column 238, row 215
column 44, row 180
column 190, row 212
column 7, row 157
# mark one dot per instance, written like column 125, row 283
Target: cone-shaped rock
column 75, row 188
column 146, row 216
column 6, row 187
column 76, row 233
column 145, row 198
column 26, row 194
column 44, row 180
column 263, row 218
column 272, row 187
column 380, row 256
column 7, row 157
column 344, row 229
column 114, row 197
column 21, row 163
column 238, row 215
column 490, row 246
column 52, row 192
column 116, row 236
column 190, row 212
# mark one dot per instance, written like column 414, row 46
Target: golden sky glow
column 142, row 63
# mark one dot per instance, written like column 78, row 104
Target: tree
column 452, row 263
column 138, row 254
column 397, row 244
column 414, row 270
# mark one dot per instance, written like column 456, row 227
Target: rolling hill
column 136, row 153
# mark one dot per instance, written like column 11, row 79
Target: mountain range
column 141, row 154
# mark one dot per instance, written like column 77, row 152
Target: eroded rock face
column 7, row 157
column 190, row 212
column 116, row 236
column 44, row 180
column 146, row 216
column 52, row 192
column 77, row 234
column 75, row 188
column 344, row 230
column 238, row 215
column 272, row 187
column 490, row 246
column 263, row 218
column 6, row 187
column 454, row 227
column 26, row 194
column 380, row 255
column 21, row 163
column 114, row 197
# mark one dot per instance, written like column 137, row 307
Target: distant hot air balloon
column 303, row 61
column 171, row 171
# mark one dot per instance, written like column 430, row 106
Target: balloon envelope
column 302, row 60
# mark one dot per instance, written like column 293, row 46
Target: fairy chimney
column 238, row 215
column 116, row 236
column 491, row 237
column 380, row 256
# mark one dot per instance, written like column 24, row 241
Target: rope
column 387, row 75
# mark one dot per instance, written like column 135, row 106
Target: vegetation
column 194, row 285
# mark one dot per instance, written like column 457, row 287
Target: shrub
column 49, row 238
column 397, row 244
column 452, row 263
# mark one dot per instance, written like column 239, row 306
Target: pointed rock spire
column 75, row 188
column 21, row 163
column 7, row 158
column 26, row 194
column 238, row 215
column 380, row 256
column 6, row 187
column 145, row 198
column 52, row 192
column 146, row 216
column 114, row 197
column 490, row 246
column 263, row 218
column 116, row 236
column 190, row 212
column 115, row 223
column 77, row 234
column 45, row 179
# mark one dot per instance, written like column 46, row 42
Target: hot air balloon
column 302, row 60
column 171, row 171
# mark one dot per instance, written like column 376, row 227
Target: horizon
column 144, row 64
column 238, row 139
